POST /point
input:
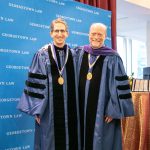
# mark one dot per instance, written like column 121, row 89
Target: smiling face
column 59, row 34
column 97, row 35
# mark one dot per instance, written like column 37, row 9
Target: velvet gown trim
column 82, row 83
column 71, row 105
column 92, row 100
column 58, row 100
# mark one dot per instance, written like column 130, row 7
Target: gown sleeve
column 34, row 97
column 120, row 99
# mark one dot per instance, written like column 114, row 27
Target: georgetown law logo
column 8, row 83
column 14, row 51
column 26, row 8
column 56, row 2
column 6, row 19
column 8, row 100
column 69, row 18
column 17, row 67
column 87, row 10
column 20, row 37
column 24, row 147
column 10, row 116
column 16, row 132
column 38, row 25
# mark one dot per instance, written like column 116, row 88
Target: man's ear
column 51, row 33
column 67, row 33
column 105, row 35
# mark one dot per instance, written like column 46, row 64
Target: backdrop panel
column 24, row 28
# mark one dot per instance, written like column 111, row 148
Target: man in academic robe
column 50, row 93
column 104, row 93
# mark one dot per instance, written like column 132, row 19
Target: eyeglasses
column 61, row 31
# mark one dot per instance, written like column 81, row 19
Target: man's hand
column 108, row 119
column 37, row 118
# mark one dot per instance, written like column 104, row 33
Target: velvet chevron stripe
column 123, row 87
column 125, row 96
column 35, row 85
column 35, row 95
column 37, row 76
column 121, row 78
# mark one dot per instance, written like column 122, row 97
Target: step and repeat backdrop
column 24, row 28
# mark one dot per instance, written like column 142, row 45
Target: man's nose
column 59, row 33
column 96, row 35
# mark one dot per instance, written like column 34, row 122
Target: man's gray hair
column 100, row 25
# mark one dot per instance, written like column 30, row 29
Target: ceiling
column 132, row 20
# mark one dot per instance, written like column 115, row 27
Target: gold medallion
column 61, row 80
column 89, row 76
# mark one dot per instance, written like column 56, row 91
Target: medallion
column 61, row 80
column 89, row 76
